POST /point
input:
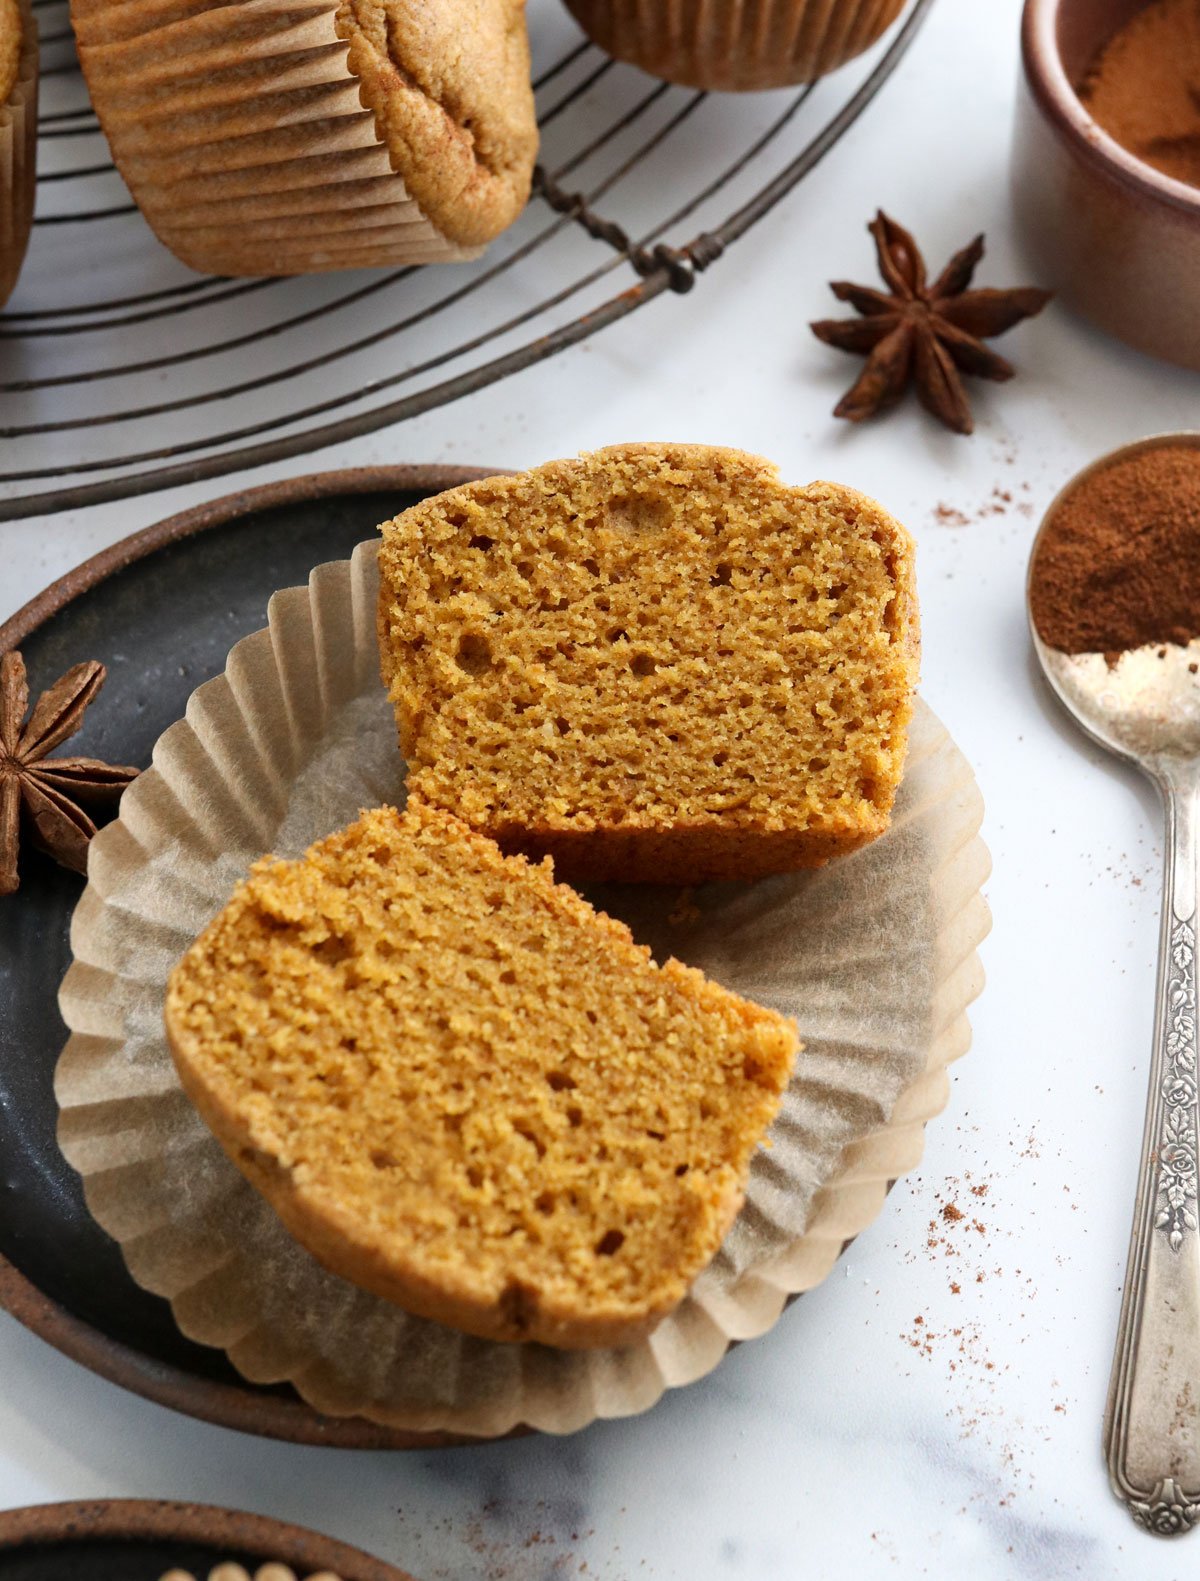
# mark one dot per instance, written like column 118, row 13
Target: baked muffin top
column 449, row 86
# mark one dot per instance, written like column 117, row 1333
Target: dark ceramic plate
column 161, row 610
column 140, row 1539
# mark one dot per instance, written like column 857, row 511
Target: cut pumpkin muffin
column 656, row 662
column 468, row 1092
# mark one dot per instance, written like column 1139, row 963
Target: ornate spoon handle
column 1152, row 1424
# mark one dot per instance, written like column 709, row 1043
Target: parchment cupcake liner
column 18, row 157
column 241, row 134
column 735, row 44
column 874, row 954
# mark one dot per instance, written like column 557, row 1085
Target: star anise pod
column 44, row 793
column 923, row 334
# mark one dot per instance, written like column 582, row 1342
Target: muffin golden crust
column 448, row 83
column 653, row 663
column 465, row 1090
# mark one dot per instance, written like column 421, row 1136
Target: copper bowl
column 1118, row 240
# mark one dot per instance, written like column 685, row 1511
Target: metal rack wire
column 150, row 376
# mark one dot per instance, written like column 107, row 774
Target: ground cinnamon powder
column 1118, row 563
column 1144, row 87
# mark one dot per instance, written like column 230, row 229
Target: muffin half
column 654, row 663
column 467, row 1091
column 270, row 137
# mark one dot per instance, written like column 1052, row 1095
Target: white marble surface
column 936, row 1407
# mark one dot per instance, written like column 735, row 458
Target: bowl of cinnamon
column 1106, row 164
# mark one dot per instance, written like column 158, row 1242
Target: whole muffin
column 18, row 136
column 735, row 44
column 273, row 137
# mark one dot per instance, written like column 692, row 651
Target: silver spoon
column 1146, row 709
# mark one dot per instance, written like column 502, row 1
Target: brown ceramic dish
column 1118, row 241
column 139, row 1539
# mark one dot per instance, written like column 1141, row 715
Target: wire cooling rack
column 122, row 372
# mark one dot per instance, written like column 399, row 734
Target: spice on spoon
column 1117, row 565
column 1144, row 87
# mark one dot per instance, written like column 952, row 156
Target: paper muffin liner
column 18, row 157
column 241, row 134
column 874, row 954
column 735, row 44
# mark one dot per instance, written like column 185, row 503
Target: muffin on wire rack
column 735, row 44
column 18, row 136
column 270, row 137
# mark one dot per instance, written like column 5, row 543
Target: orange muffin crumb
column 467, row 1091
column 653, row 663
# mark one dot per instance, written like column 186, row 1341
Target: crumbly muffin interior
column 472, row 1070
column 651, row 635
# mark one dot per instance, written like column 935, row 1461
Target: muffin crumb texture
column 653, row 663
column 467, row 1091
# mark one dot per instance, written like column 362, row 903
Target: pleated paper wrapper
column 735, row 44
column 18, row 157
column 242, row 136
column 874, row 955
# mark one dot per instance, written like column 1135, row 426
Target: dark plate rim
column 122, row 1520
column 238, row 1406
